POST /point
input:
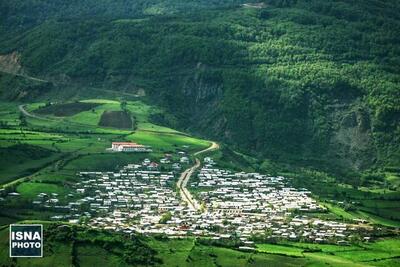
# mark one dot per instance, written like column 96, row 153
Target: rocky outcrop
column 352, row 143
column 10, row 63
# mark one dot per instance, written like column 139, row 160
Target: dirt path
column 185, row 177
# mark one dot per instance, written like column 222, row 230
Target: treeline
column 287, row 81
column 131, row 249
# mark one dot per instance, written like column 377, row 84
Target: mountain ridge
column 295, row 81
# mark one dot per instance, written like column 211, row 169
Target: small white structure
column 184, row 160
column 129, row 147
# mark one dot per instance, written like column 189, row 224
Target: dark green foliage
column 20, row 88
column 133, row 250
column 306, row 82
column 22, row 152
column 232, row 242
column 116, row 119
column 166, row 217
column 67, row 109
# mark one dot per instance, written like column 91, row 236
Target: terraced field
column 75, row 142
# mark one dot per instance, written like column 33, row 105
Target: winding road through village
column 185, row 177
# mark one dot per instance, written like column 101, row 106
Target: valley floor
column 41, row 152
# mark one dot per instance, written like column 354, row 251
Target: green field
column 30, row 190
column 368, row 254
column 87, row 251
column 66, row 145
column 51, row 149
column 276, row 249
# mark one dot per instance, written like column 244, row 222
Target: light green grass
column 324, row 247
column 184, row 252
column 277, row 249
column 90, row 255
column 173, row 252
column 106, row 161
column 100, row 101
column 382, row 249
column 339, row 211
column 377, row 219
column 31, row 190
column 168, row 142
column 93, row 117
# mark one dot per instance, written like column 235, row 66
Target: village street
column 185, row 176
column 139, row 197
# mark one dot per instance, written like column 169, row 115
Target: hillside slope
column 307, row 82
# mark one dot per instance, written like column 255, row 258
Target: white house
column 129, row 147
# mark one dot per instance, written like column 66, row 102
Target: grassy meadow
column 47, row 149
column 85, row 249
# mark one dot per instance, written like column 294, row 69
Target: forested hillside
column 307, row 82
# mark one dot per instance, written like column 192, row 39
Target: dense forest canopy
column 306, row 81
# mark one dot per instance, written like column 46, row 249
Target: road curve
column 185, row 177
column 214, row 146
column 28, row 114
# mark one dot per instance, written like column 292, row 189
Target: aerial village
column 142, row 198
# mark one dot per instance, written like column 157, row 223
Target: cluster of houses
column 251, row 193
column 262, row 204
column 141, row 198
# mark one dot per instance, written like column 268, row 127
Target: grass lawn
column 173, row 252
column 9, row 113
column 30, row 190
column 328, row 248
column 339, row 211
column 184, row 252
column 105, row 161
column 377, row 219
column 168, row 142
column 278, row 249
column 367, row 254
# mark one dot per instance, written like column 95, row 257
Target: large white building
column 129, row 147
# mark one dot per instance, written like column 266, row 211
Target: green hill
column 306, row 82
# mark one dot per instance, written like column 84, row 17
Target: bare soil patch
column 66, row 109
column 116, row 119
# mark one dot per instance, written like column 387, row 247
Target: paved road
column 214, row 146
column 28, row 114
column 185, row 177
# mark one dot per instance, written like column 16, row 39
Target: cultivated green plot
column 30, row 190
column 324, row 247
column 22, row 159
column 354, row 255
column 93, row 116
column 105, row 161
column 277, row 249
column 173, row 252
column 90, row 255
column 186, row 252
column 9, row 114
column 168, row 141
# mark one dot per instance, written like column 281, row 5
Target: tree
column 22, row 120
column 123, row 105
column 165, row 217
